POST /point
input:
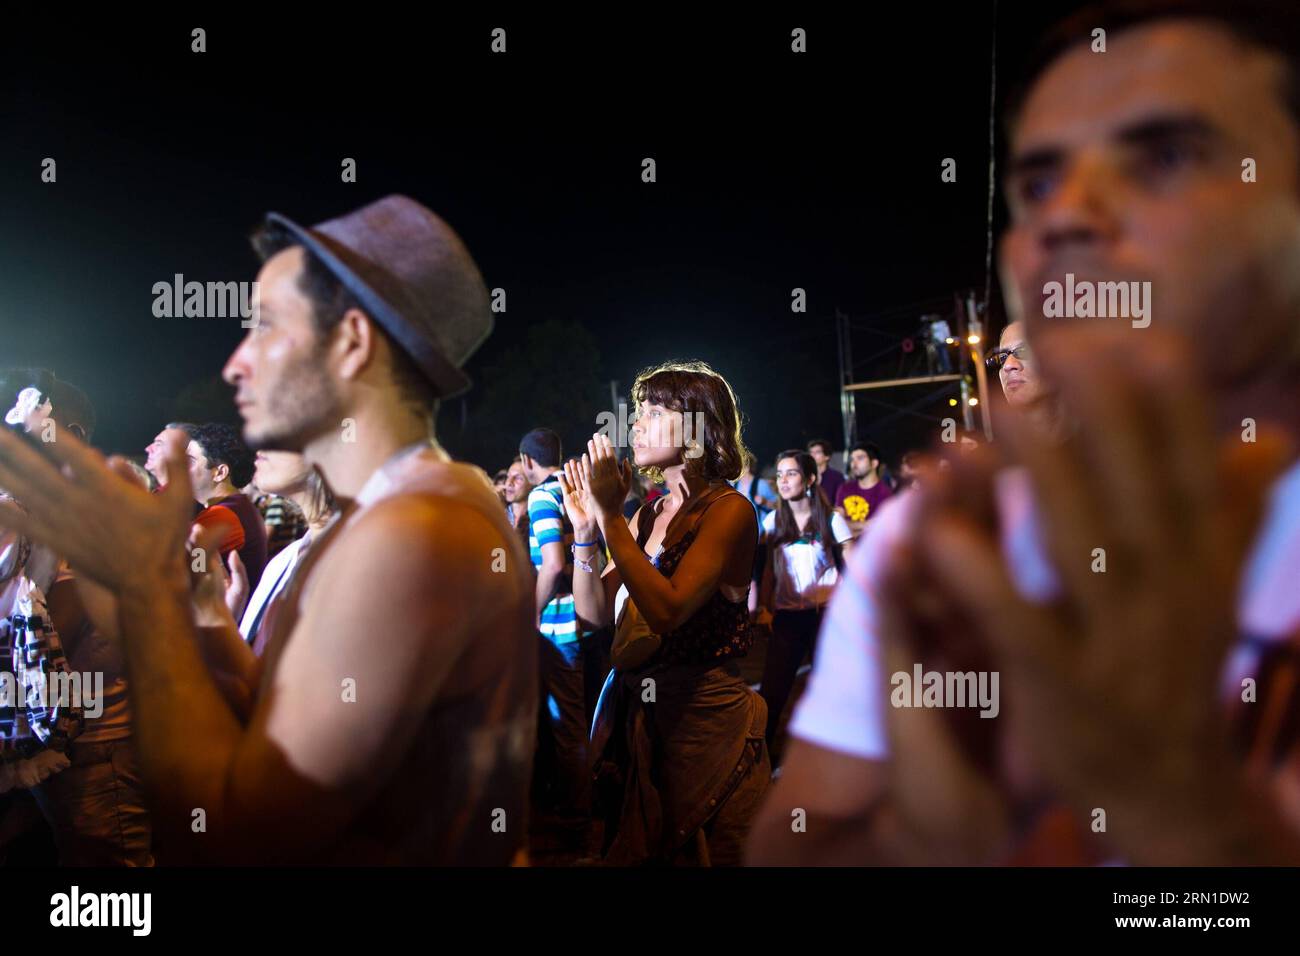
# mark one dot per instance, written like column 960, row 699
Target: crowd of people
column 349, row 648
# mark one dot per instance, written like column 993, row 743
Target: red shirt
column 242, row 530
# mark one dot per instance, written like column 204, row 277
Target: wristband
column 584, row 544
column 579, row 563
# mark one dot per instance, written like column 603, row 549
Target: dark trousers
column 794, row 637
column 96, row 807
column 568, row 674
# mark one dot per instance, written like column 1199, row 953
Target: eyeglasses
column 998, row 357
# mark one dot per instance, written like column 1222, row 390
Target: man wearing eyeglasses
column 1022, row 384
column 1011, row 360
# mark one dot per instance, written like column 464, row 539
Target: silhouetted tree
column 552, row 378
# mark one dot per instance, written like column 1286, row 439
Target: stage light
column 952, row 401
column 949, row 340
column 973, row 339
column 973, row 402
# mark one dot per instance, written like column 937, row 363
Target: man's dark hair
column 872, row 450
column 542, row 445
column 827, row 448
column 1272, row 25
column 222, row 445
column 330, row 299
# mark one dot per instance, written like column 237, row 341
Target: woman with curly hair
column 683, row 763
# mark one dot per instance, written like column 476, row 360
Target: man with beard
column 396, row 698
column 864, row 491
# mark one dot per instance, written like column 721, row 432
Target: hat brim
column 448, row 380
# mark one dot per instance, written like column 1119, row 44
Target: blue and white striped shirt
column 547, row 524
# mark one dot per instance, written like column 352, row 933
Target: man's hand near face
column 1114, row 690
column 304, row 745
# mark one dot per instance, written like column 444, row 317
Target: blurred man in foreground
column 1176, row 472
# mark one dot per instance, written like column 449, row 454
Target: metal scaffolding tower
column 966, row 340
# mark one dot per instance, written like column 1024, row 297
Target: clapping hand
column 608, row 480
column 1147, row 521
column 577, row 500
column 94, row 513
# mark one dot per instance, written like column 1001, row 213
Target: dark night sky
column 775, row 171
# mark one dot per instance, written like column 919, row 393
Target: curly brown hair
column 694, row 388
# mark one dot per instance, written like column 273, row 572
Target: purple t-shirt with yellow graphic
column 860, row 503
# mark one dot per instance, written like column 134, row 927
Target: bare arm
column 310, row 744
column 824, row 811
column 233, row 665
column 68, row 615
column 229, row 659
column 593, row 593
column 666, row 603
column 79, row 607
column 590, row 600
column 548, row 575
column 724, row 540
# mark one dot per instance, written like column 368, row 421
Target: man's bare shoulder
column 426, row 558
column 424, row 524
column 457, row 478
column 448, row 518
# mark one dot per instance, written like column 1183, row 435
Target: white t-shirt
column 803, row 573
column 844, row 706
column 276, row 575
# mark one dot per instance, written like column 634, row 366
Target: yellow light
column 949, row 340
column 973, row 340
column 973, row 401
column 952, row 401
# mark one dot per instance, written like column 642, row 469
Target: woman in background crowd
column 807, row 543
column 756, row 489
column 282, row 473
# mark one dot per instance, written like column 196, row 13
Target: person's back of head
column 541, row 453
